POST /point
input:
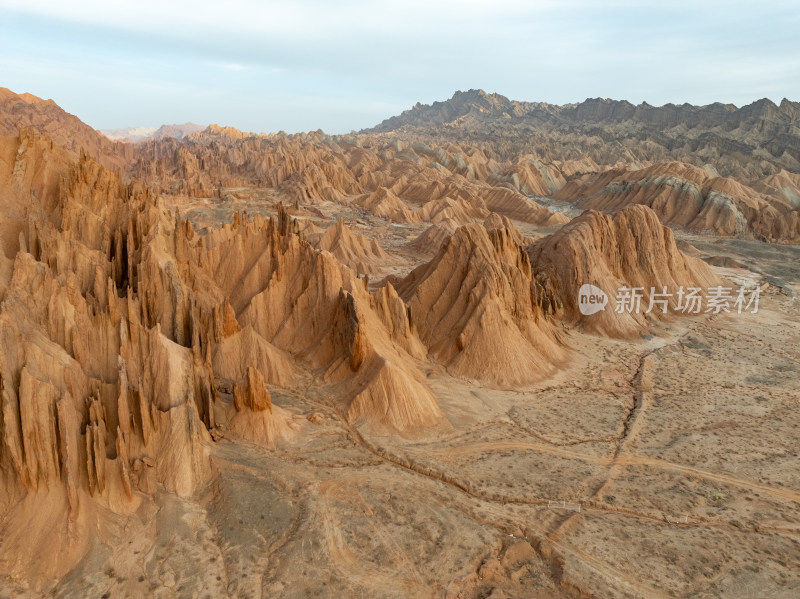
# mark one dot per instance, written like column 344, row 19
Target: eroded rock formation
column 478, row 309
column 125, row 337
column 694, row 198
column 631, row 249
column 130, row 341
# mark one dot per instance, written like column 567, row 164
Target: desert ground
column 238, row 365
column 664, row 467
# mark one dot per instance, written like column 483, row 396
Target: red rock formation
column 477, row 309
column 362, row 255
column 434, row 237
column 119, row 327
column 98, row 355
column 631, row 249
column 532, row 177
column 497, row 222
column 783, row 186
column 18, row 112
column 688, row 196
column 391, row 182
column 384, row 203
column 128, row 341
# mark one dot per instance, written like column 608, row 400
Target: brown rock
column 252, row 395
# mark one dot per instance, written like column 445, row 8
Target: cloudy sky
column 309, row 64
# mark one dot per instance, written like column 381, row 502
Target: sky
column 267, row 66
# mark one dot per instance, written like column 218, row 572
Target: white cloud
column 335, row 64
column 229, row 66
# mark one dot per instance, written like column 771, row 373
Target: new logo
column 591, row 299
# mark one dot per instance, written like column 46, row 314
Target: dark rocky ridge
column 752, row 141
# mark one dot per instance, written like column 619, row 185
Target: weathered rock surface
column 749, row 142
column 631, row 249
column 689, row 197
column 478, row 309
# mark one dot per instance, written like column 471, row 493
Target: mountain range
column 136, row 134
column 751, row 141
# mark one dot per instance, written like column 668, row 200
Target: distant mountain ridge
column 136, row 134
column 755, row 140
column 129, row 133
column 588, row 111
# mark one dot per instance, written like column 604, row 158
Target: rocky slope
column 126, row 338
column 135, row 350
column 395, row 181
column 66, row 130
column 750, row 141
column 478, row 310
column 351, row 249
column 696, row 199
column 631, row 249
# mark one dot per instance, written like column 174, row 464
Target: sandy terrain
column 299, row 366
column 679, row 449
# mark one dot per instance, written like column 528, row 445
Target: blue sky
column 309, row 64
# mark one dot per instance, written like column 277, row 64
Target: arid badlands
column 270, row 365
